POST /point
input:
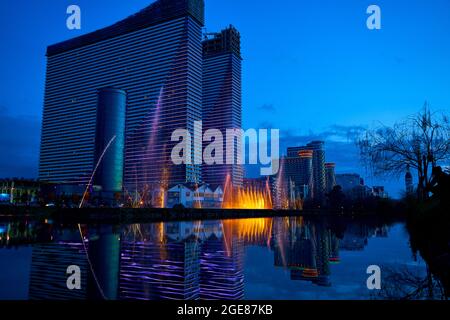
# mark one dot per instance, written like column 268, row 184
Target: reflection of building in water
column 334, row 249
column 305, row 248
column 381, row 232
column 222, row 269
column 49, row 264
column 51, row 260
column 187, row 260
column 323, row 254
column 104, row 253
column 191, row 260
column 355, row 237
column 295, row 248
column 151, row 269
column 280, row 242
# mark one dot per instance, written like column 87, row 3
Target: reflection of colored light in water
column 310, row 273
column 254, row 230
column 161, row 232
column 162, row 242
column 246, row 198
column 334, row 260
column 197, row 203
column 279, row 239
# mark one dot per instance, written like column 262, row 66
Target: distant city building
column 305, row 166
column 378, row 191
column 318, row 169
column 360, row 192
column 299, row 170
column 355, row 237
column 154, row 55
column 348, row 181
column 222, row 97
column 330, row 176
column 19, row 191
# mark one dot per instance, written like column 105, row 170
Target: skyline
column 310, row 66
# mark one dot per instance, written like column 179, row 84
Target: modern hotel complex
column 117, row 94
column 305, row 170
column 156, row 57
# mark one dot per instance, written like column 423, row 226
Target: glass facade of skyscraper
column 318, row 169
column 305, row 166
column 330, row 176
column 154, row 55
column 299, row 170
column 222, row 101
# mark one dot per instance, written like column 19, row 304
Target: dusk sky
column 311, row 68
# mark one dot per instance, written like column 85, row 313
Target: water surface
column 258, row 258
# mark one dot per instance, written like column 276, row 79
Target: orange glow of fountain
column 158, row 190
column 252, row 230
column 246, row 198
column 249, row 231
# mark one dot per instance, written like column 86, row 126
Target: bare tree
column 422, row 141
column 405, row 283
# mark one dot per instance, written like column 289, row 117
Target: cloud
column 19, row 145
column 344, row 133
column 267, row 108
column 340, row 145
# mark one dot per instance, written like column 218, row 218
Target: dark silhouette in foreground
column 429, row 225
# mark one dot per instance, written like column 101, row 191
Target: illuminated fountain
column 159, row 190
column 246, row 198
column 197, row 204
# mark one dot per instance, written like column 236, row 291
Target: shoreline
column 118, row 215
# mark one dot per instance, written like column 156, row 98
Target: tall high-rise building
column 330, row 176
column 222, row 102
column 304, row 161
column 155, row 56
column 348, row 181
column 299, row 170
column 318, row 169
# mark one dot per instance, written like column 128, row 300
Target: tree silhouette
column 420, row 142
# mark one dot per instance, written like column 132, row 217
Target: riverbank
column 120, row 215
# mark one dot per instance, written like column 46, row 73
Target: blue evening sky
column 310, row 68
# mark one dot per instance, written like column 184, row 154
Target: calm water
column 263, row 258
